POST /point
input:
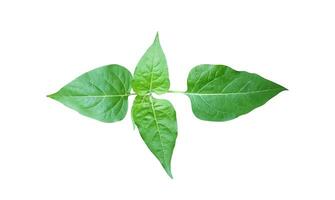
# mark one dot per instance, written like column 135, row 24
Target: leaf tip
column 167, row 169
column 283, row 88
column 157, row 37
column 169, row 173
column 52, row 96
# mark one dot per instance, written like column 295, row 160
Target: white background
column 283, row 150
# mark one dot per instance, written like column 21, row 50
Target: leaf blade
column 219, row 93
column 151, row 73
column 101, row 94
column 157, row 124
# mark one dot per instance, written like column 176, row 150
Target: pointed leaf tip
column 169, row 173
column 52, row 96
column 157, row 37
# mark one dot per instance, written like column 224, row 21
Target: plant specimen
column 217, row 93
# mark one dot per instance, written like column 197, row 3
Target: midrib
column 101, row 96
column 158, row 130
column 230, row 93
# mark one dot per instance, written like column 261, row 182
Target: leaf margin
column 191, row 94
column 57, row 95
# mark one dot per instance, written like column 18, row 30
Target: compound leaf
column 101, row 93
column 157, row 124
column 151, row 73
column 219, row 93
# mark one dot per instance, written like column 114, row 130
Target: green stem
column 170, row 91
column 178, row 92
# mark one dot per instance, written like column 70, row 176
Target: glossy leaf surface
column 157, row 124
column 151, row 73
column 219, row 93
column 101, row 93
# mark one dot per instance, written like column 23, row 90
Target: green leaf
column 101, row 93
column 157, row 124
column 151, row 73
column 219, row 93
